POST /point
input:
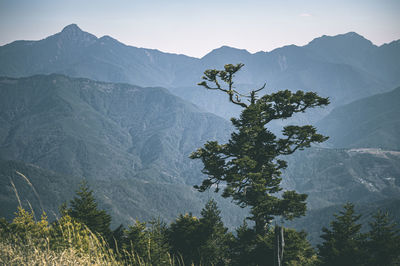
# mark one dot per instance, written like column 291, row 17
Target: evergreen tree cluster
column 205, row 240
column 345, row 244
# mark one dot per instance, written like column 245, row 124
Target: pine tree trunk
column 279, row 245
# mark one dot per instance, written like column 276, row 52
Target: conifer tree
column 85, row 210
column 184, row 238
column 148, row 243
column 383, row 245
column 298, row 251
column 249, row 166
column 136, row 239
column 213, row 235
column 248, row 248
column 159, row 249
column 201, row 241
column 343, row 242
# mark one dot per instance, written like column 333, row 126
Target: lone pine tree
column 249, row 166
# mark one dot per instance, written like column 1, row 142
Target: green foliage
column 25, row 228
column 298, row 250
column 213, row 236
column 66, row 233
column 183, row 236
column 68, row 242
column 250, row 163
column 249, row 248
column 84, row 209
column 148, row 243
column 200, row 241
column 383, row 244
column 136, row 239
column 159, row 246
column 343, row 242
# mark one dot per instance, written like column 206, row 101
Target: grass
column 93, row 251
column 67, row 242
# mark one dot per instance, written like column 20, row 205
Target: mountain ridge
column 336, row 73
column 371, row 122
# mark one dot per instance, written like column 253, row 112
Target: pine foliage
column 85, row 210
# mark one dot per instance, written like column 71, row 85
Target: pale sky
column 195, row 28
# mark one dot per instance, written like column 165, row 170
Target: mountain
column 36, row 188
column 372, row 122
column 77, row 53
column 345, row 67
column 105, row 130
column 369, row 178
column 125, row 199
column 315, row 220
column 131, row 143
column 354, row 50
column 337, row 176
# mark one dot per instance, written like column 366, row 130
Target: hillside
column 131, row 143
column 316, row 219
column 332, row 177
column 369, row 178
column 125, row 199
column 372, row 122
column 107, row 131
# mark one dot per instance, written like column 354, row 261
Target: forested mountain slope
column 131, row 143
column 372, row 122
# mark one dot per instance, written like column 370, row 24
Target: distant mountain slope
column 132, row 145
column 43, row 189
column 372, row 122
column 80, row 54
column 337, row 176
column 103, row 130
column 369, row 178
column 314, row 220
column 125, row 199
column 344, row 67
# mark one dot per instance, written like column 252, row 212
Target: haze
column 196, row 27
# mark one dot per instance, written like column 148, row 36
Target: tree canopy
column 249, row 166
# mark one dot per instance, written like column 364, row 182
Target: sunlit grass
column 65, row 242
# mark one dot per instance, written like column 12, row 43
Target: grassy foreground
column 66, row 242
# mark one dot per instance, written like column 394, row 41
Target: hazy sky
column 196, row 27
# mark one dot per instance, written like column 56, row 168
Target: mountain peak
column 73, row 34
column 229, row 48
column 227, row 51
column 71, row 28
column 349, row 38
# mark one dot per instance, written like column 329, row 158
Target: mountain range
column 69, row 111
column 344, row 67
